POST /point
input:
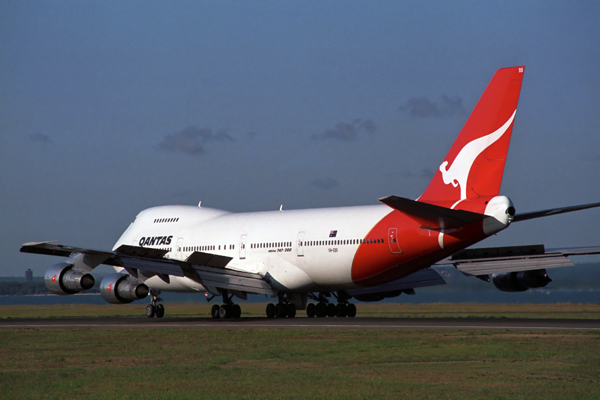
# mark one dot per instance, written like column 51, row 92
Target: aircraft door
column 243, row 247
column 300, row 244
column 179, row 248
column 393, row 241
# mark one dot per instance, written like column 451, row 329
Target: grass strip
column 297, row 364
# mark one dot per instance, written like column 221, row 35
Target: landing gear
column 326, row 309
column 227, row 309
column 154, row 309
column 284, row 308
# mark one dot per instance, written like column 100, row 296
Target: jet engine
column 62, row 279
column 122, row 289
column 521, row 281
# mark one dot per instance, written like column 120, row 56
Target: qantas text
column 155, row 241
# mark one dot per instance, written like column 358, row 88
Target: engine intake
column 521, row 281
column 122, row 289
column 62, row 279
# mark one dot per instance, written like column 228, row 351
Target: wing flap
column 492, row 260
column 208, row 259
column 142, row 252
column 500, row 265
column 423, row 278
column 233, row 280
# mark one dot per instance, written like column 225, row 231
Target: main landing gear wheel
column 160, row 311
column 150, row 311
column 154, row 309
column 214, row 311
column 284, row 308
column 227, row 309
column 326, row 309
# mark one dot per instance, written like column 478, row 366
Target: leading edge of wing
column 54, row 249
column 431, row 216
column 552, row 211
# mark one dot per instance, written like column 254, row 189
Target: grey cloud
column 325, row 183
column 347, row 131
column 41, row 138
column 422, row 107
column 193, row 140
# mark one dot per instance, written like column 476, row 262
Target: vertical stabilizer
column 475, row 163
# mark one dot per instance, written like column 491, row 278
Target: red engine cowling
column 63, row 279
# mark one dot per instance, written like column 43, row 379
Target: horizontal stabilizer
column 553, row 211
column 431, row 216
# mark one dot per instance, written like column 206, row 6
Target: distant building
column 29, row 275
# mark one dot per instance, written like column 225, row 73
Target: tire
column 236, row 311
column 270, row 310
column 321, row 310
column 290, row 310
column 214, row 311
column 280, row 311
column 341, row 310
column 224, row 311
column 150, row 311
column 331, row 310
column 311, row 310
column 351, row 310
column 160, row 311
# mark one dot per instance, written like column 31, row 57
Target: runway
column 509, row 324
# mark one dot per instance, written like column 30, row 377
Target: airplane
column 331, row 255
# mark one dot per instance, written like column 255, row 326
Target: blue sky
column 110, row 107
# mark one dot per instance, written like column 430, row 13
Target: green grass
column 385, row 310
column 300, row 364
column 303, row 364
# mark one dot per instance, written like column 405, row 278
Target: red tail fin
column 475, row 163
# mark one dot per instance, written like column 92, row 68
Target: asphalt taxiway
column 509, row 324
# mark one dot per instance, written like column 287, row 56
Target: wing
column 423, row 278
column 492, row 260
column 205, row 268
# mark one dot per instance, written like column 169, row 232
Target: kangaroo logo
column 458, row 173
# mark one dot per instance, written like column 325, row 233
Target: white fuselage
column 300, row 250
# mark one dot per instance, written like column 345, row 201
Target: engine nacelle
column 62, row 279
column 122, row 289
column 521, row 281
